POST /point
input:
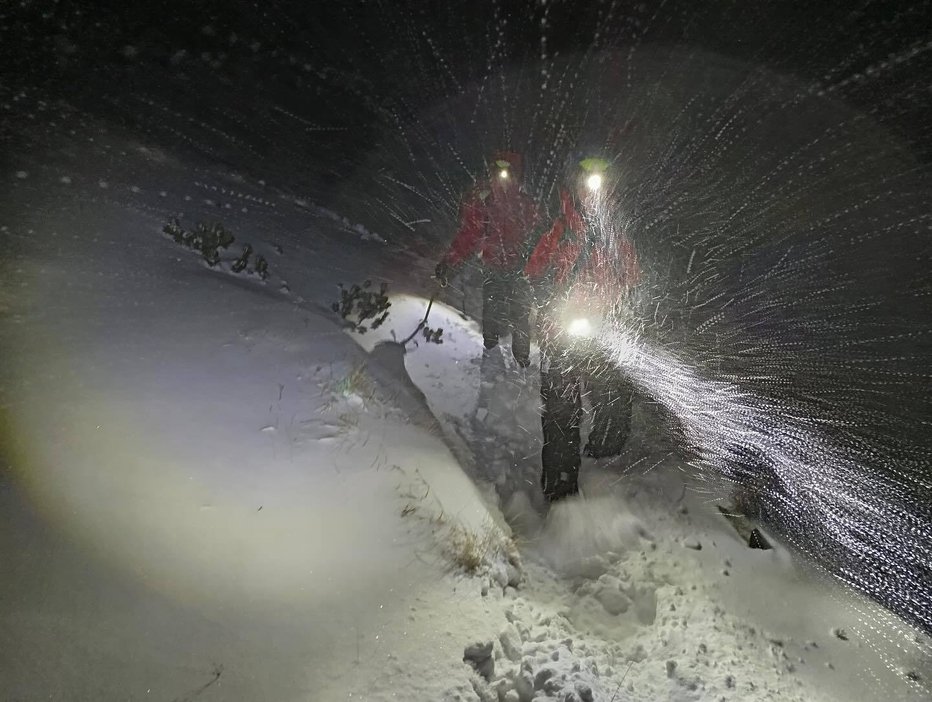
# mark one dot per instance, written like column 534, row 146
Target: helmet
column 592, row 173
column 506, row 165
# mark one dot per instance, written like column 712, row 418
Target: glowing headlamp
column 594, row 168
column 505, row 169
column 582, row 317
column 580, row 327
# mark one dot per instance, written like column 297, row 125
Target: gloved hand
column 442, row 273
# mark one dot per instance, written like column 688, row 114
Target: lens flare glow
column 594, row 182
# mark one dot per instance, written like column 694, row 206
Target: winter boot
column 559, row 486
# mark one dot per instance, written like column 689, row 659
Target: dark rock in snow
column 758, row 540
column 479, row 656
column 478, row 651
column 524, row 684
column 542, row 676
column 584, row 692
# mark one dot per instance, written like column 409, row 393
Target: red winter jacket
column 611, row 267
column 497, row 224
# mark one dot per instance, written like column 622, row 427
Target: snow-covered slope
column 641, row 587
column 214, row 491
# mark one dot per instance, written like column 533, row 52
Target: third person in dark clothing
column 583, row 270
column 496, row 219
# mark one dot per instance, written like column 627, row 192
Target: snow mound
column 580, row 536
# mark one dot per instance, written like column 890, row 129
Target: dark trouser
column 562, row 379
column 506, row 303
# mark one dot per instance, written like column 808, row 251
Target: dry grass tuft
column 469, row 550
column 356, row 382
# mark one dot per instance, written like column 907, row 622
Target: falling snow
column 771, row 166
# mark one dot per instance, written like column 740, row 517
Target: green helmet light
column 593, row 169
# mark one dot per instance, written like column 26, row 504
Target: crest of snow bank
column 357, row 228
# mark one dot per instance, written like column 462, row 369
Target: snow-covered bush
column 358, row 304
column 175, row 231
column 239, row 265
column 261, row 267
column 432, row 335
column 209, row 240
column 206, row 239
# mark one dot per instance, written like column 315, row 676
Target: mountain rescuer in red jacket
column 584, row 267
column 496, row 220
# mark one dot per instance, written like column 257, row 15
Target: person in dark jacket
column 584, row 270
column 496, row 220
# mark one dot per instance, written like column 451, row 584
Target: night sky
column 357, row 67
